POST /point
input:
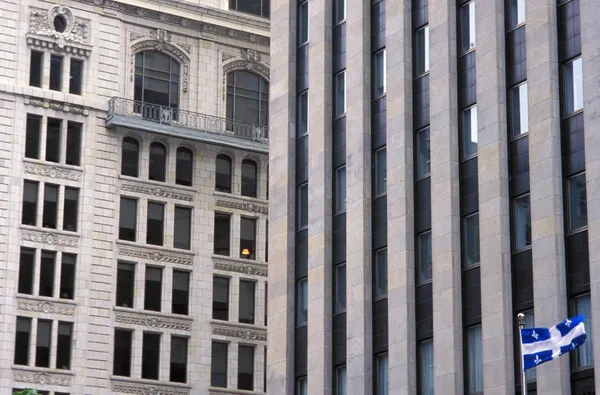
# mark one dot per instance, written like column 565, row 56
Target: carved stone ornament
column 41, row 378
column 244, row 268
column 245, row 206
column 49, row 238
column 145, row 389
column 250, row 54
column 56, row 105
column 136, row 36
column 226, row 56
column 245, row 64
column 161, row 42
column 53, row 172
column 73, row 37
column 152, row 321
column 45, row 307
column 240, row 333
column 154, row 255
column 157, row 191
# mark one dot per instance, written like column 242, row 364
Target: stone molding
column 230, row 391
column 56, row 105
column 41, row 378
column 240, row 332
column 43, row 237
column 44, row 306
column 152, row 321
column 140, row 388
column 247, row 267
column 52, row 171
column 244, row 206
column 151, row 254
column 157, row 191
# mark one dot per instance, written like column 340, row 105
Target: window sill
column 145, row 386
column 221, row 390
column 239, row 265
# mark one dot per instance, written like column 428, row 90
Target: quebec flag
column 539, row 345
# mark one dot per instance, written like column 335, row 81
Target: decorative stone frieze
column 49, row 238
column 155, row 255
column 152, row 321
column 239, row 332
column 56, row 105
column 52, row 172
column 75, row 38
column 46, row 307
column 146, row 389
column 238, row 266
column 41, row 378
column 244, row 206
column 161, row 192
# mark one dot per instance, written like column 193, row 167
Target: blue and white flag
column 539, row 345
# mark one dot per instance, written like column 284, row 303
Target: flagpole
column 521, row 320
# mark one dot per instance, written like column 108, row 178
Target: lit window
column 467, row 26
column 516, row 13
column 379, row 74
column 573, row 76
column 471, row 240
column 422, row 50
column 469, row 132
column 303, row 23
column 519, row 110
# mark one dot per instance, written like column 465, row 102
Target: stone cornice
column 41, row 376
column 248, row 267
column 56, row 105
column 240, row 331
column 49, row 237
column 152, row 320
column 54, row 170
column 33, row 304
column 161, row 191
column 143, row 387
column 136, row 251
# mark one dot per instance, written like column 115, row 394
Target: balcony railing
column 118, row 106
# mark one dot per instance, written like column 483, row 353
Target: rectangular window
column 301, row 386
column 36, row 66
column 379, row 74
column 43, row 344
column 516, row 13
column 56, row 64
column 127, row 219
column 222, row 234
column 32, row 136
column 424, row 257
column 529, row 322
column 76, row 77
column 340, row 190
column 22, row 339
column 339, row 11
column 573, row 77
column 584, row 355
column 381, row 374
column 302, row 210
column 220, row 298
column 71, row 209
column 340, row 94
column 179, row 351
column 522, row 223
column 47, row 268
column 340, row 380
column 125, row 284
column 63, row 345
column 246, row 368
column 266, row 303
column 183, row 228
column 303, row 113
column 150, row 355
column 426, row 367
column 380, row 274
column 302, row 23
column 67, row 276
column 50, row 206
column 422, row 51
column 30, row 196
column 302, row 302
column 73, row 156
column 423, row 154
column 518, row 110
column 122, row 352
column 247, row 296
column 26, row 269
column 53, row 132
column 155, row 224
column 380, row 171
column 471, row 240
column 467, row 26
column 153, row 289
column 474, row 360
column 247, row 238
column 181, row 292
column 218, row 365
column 469, row 132
column 577, row 202
column 339, row 301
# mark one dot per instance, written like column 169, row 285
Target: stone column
column 445, row 199
column 547, row 225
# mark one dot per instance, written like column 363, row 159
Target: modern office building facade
column 433, row 173
column 134, row 196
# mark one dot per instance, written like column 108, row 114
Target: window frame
column 422, row 51
column 264, row 11
column 157, row 166
column 29, row 207
column 570, row 207
column 39, row 76
column 471, row 29
column 465, row 239
column 235, row 119
column 300, row 41
column 465, row 156
column 186, row 345
column 420, row 364
column 468, row 331
column 376, row 71
column 71, row 224
column 301, row 211
column 243, row 308
column 575, row 365
column 175, row 291
column 420, row 279
column 134, row 208
column 55, row 82
column 511, row 110
column 340, row 288
column 182, row 167
column 119, row 297
column 177, row 229
column 336, row 101
column 376, row 271
column 513, row 23
column 566, row 112
column 50, row 207
column 147, row 362
column 253, row 243
column 380, row 189
column 226, row 281
column 225, row 373
column 301, row 302
column 303, row 106
column 219, row 217
column 421, row 174
column 151, row 223
column 516, row 247
column 153, row 298
column 340, row 191
column 77, row 87
column 339, row 18
column 136, row 169
column 249, row 183
column 124, row 358
column 33, row 136
column 140, row 75
column 252, row 357
column 222, row 188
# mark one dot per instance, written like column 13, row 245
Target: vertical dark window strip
column 247, row 301
column 30, row 198
column 53, row 139
column 246, row 368
column 218, row 365
column 56, row 69
column 125, row 284
column 128, row 219
column 50, row 212
column 220, row 298
column 181, row 292
column 43, row 343
column 178, row 367
column 76, row 76
column 153, row 289
column 71, row 209
column 32, row 136
column 63, row 345
column 26, row 270
column 67, row 276
column 150, row 355
column 36, row 66
column 47, row 270
column 183, row 228
column 22, row 341
column 122, row 352
column 73, row 155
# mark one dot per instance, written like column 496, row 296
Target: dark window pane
column 221, row 298
column 380, row 273
column 424, row 257
column 125, row 284
column 381, row 374
column 522, row 223
column 379, row 74
column 518, row 110
column 32, row 137
column 155, row 225
column 246, row 368
column 249, row 178
column 218, row 371
column 26, row 268
column 247, row 101
column 469, row 132
column 474, row 360
column 50, row 206
column 516, row 13
column 577, row 202
column 76, row 77
column 56, row 72
column 302, row 114
column 130, row 157
column 223, row 174
column 380, row 171
column 184, row 166
column 53, row 132
column 158, row 162
column 44, row 342
column 302, row 209
column 573, row 89
column 178, row 368
column 301, row 302
column 303, row 23
column 339, row 304
column 181, row 292
column 156, row 80
column 340, row 190
column 247, row 293
column 247, row 238
column 423, row 154
column 425, row 367
column 128, row 219
column 22, row 339
column 339, row 10
column 67, row 276
column 30, row 195
column 73, row 144
column 182, row 230
column 71, row 209
column 467, row 26
column 47, row 267
column 222, row 234
column 35, row 69
column 122, row 352
column 153, row 290
column 63, row 345
column 471, row 240
column 340, row 380
column 340, row 94
column 150, row 355
column 301, row 386
column 422, row 51
column 584, row 355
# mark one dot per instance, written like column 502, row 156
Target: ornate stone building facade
column 133, row 196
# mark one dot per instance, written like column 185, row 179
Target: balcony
column 152, row 118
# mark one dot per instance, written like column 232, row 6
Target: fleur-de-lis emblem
column 534, row 335
column 568, row 323
column 537, row 360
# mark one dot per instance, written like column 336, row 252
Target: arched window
column 184, row 166
column 247, row 98
column 156, row 79
column 249, row 181
column 158, row 162
column 130, row 157
column 256, row 7
column 223, row 176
